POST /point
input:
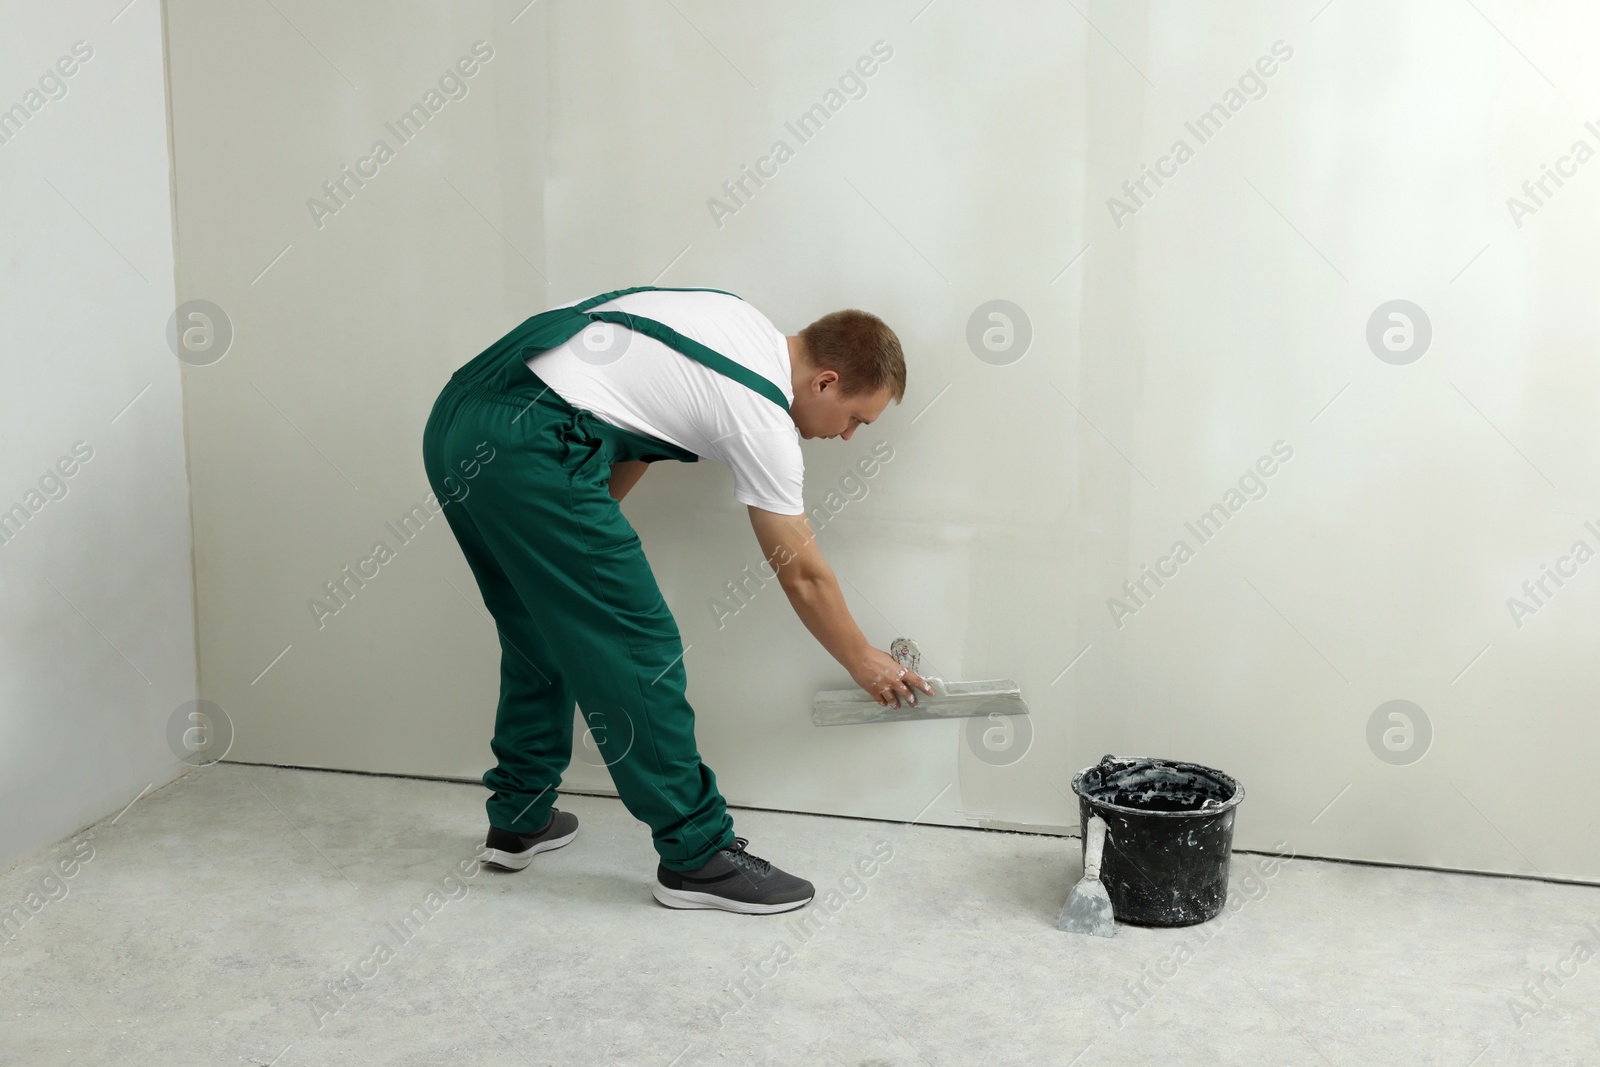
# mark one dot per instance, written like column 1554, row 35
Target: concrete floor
column 209, row 922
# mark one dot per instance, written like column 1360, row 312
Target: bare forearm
column 818, row 601
column 624, row 475
column 791, row 547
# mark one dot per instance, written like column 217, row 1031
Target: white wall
column 97, row 639
column 306, row 439
column 1169, row 353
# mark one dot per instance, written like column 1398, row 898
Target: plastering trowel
column 1088, row 909
column 951, row 700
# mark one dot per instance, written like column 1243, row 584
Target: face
column 822, row 410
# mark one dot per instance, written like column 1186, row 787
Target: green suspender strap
column 557, row 326
column 695, row 351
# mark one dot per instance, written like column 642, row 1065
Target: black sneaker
column 510, row 851
column 734, row 880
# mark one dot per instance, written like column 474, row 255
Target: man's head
column 845, row 368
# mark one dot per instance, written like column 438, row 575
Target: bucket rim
column 1222, row 777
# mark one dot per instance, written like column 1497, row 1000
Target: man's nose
column 847, row 433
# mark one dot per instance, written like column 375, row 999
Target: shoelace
column 740, row 858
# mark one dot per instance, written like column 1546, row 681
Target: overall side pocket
column 662, row 680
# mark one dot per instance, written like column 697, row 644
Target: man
column 554, row 423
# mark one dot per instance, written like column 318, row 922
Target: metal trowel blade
column 951, row 700
column 1088, row 911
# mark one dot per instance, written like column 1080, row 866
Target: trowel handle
column 906, row 653
column 1096, row 845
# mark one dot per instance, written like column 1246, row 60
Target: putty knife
column 1088, row 909
column 951, row 700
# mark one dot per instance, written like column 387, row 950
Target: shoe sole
column 687, row 900
column 516, row 861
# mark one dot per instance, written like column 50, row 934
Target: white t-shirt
column 638, row 383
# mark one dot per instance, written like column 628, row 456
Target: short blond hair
column 861, row 349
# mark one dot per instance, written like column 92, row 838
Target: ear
column 824, row 380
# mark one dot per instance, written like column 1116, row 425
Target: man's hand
column 791, row 549
column 881, row 675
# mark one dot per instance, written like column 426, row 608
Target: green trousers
column 580, row 616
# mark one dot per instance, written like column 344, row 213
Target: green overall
column 562, row 571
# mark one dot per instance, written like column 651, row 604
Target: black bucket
column 1169, row 837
